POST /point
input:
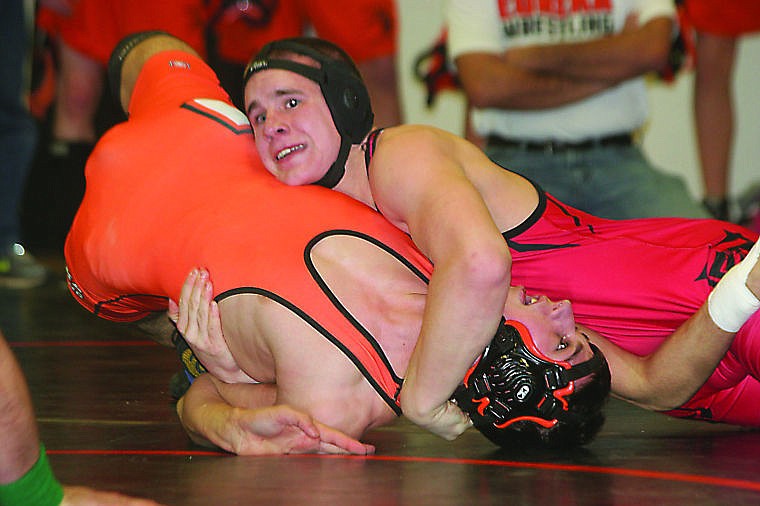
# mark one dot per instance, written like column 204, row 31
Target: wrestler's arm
column 451, row 224
column 670, row 375
column 135, row 56
column 243, row 419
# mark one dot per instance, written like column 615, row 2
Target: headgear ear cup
column 510, row 386
column 348, row 100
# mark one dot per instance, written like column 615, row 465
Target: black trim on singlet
column 543, row 199
column 339, row 306
column 532, row 219
column 369, row 147
column 237, row 130
column 319, row 328
column 102, row 306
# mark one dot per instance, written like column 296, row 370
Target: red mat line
column 633, row 473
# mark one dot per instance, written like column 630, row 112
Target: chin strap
column 338, row 169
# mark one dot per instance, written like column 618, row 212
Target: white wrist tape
column 731, row 303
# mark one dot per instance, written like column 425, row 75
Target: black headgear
column 513, row 381
column 344, row 91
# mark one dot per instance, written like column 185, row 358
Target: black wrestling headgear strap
column 513, row 381
column 344, row 91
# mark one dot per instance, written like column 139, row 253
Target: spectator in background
column 86, row 31
column 366, row 29
column 18, row 139
column 719, row 26
column 558, row 94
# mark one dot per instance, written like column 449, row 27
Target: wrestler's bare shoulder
column 510, row 197
column 269, row 340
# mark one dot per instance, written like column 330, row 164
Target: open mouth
column 288, row 151
column 528, row 299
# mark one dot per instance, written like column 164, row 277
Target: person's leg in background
column 18, row 139
column 714, row 115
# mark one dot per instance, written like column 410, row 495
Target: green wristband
column 38, row 487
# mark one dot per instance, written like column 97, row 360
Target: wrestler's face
column 295, row 134
column 551, row 324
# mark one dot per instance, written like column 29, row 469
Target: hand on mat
column 197, row 318
column 279, row 430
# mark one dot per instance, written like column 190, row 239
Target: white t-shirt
column 497, row 25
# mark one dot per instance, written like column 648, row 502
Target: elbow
column 654, row 55
column 488, row 268
column 479, row 89
column 478, row 94
column 656, row 59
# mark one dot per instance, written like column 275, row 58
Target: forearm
column 672, row 374
column 202, row 412
column 612, row 59
column 209, row 409
column 20, row 448
column 461, row 317
column 492, row 82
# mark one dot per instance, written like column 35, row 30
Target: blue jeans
column 608, row 181
column 18, row 131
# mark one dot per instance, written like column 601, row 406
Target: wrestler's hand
column 197, row 319
column 277, row 430
column 289, row 431
column 447, row 421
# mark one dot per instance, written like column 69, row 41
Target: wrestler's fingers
column 184, row 295
column 345, row 447
column 195, row 307
column 173, row 311
column 215, row 332
column 338, row 442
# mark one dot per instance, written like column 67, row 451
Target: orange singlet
column 180, row 185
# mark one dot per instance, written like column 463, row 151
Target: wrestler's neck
column 355, row 182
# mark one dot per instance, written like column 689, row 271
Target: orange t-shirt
column 95, row 27
column 365, row 29
column 718, row 17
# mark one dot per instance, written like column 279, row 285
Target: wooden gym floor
column 101, row 396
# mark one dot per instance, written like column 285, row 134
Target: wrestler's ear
column 130, row 54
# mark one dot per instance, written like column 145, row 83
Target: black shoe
column 717, row 207
column 19, row 269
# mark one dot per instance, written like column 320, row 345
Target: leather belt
column 620, row 140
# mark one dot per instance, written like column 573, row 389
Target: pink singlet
column 636, row 281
